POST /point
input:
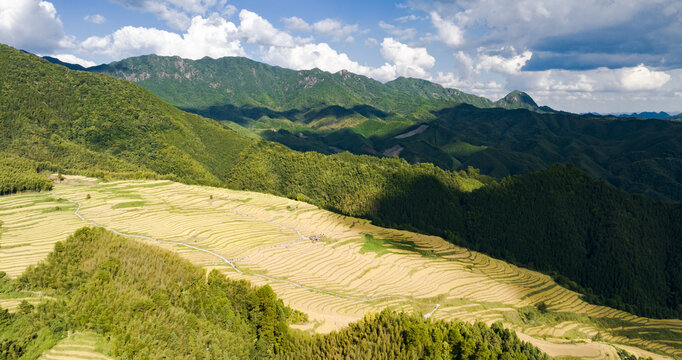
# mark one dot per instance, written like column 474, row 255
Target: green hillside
column 623, row 250
column 74, row 121
column 84, row 123
column 261, row 96
column 148, row 303
column 640, row 156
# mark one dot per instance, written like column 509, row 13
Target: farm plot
column 79, row 346
column 337, row 268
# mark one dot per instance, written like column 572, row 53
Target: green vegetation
column 18, row 174
column 76, row 122
column 625, row 249
column 145, row 302
column 640, row 156
column 388, row 335
column 621, row 250
column 263, row 97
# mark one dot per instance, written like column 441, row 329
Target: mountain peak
column 518, row 97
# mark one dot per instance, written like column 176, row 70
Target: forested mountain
column 244, row 91
column 77, row 122
column 640, row 156
column 623, row 250
column 149, row 303
column 329, row 113
column 652, row 115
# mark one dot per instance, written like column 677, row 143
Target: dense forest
column 73, row 121
column 390, row 335
column 149, row 303
column 621, row 249
column 18, row 174
column 328, row 113
column 640, row 156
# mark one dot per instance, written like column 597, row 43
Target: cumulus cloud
column 571, row 35
column 485, row 62
column 402, row 60
column 335, row 29
column 177, row 13
column 256, row 29
column 296, row 24
column 627, row 79
column 408, row 61
column 213, row 36
column 449, row 33
column 32, row 25
column 73, row 59
column 310, row 56
column 95, row 19
column 173, row 12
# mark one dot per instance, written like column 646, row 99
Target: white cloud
column 177, row 13
column 256, row 29
column 95, row 19
column 641, row 78
column 335, row 29
column 400, row 33
column 310, row 56
column 411, row 17
column 627, row 79
column 449, row 33
column 296, row 24
column 408, row 61
column 73, row 59
column 32, row 25
column 213, row 36
column 229, row 10
column 499, row 63
column 371, row 42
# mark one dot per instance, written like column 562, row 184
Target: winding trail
column 224, row 260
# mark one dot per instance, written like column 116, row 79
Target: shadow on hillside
column 245, row 115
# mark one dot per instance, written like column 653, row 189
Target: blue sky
column 604, row 56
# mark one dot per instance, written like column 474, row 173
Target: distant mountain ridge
column 240, row 90
column 661, row 115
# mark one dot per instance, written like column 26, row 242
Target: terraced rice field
column 79, row 346
column 334, row 268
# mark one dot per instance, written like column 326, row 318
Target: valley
column 333, row 267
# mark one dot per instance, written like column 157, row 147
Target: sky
column 606, row 56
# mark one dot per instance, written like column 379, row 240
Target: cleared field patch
column 78, row 346
column 31, row 224
column 337, row 268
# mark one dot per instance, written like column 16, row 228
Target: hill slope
column 640, row 156
column 149, row 303
column 243, row 90
column 75, row 121
column 87, row 124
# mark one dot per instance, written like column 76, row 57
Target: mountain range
column 92, row 124
column 414, row 119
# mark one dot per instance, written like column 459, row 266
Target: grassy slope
column 148, row 303
column 75, row 121
column 567, row 218
column 88, row 123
